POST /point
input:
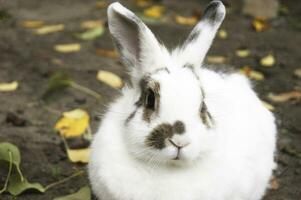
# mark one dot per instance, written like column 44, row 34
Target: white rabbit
column 180, row 131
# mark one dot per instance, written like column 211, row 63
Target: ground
column 30, row 59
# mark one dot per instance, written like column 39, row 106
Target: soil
column 27, row 121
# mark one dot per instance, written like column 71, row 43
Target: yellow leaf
column 260, row 24
column 73, row 123
column 242, row 53
column 50, row 29
column 143, row 3
column 298, row 72
column 216, row 59
column 154, row 12
column 268, row 61
column 107, row 53
column 8, row 87
column 274, row 183
column 223, row 34
column 255, row 75
column 186, row 20
column 79, row 155
column 67, row 48
column 286, row 96
column 110, row 79
column 91, row 24
column 268, row 106
column 101, row 4
column 32, row 23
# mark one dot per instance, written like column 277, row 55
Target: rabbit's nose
column 179, row 145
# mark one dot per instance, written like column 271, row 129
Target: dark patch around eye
column 206, row 116
column 150, row 101
column 157, row 137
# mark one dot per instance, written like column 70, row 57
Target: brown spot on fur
column 178, row 127
column 158, row 136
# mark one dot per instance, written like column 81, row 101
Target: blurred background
column 59, row 70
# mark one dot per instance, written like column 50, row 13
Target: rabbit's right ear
column 137, row 46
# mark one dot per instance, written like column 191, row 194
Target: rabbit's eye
column 150, row 99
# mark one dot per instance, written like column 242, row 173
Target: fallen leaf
column 260, row 24
column 9, row 87
column 110, row 79
column 79, row 155
column 107, row 53
column 73, row 123
column 286, row 96
column 154, row 11
column 91, row 24
column 242, row 53
column 91, row 34
column 16, row 185
column 268, row 106
column 33, row 24
column 101, row 4
column 150, row 20
column 216, row 59
column 274, row 184
column 186, row 20
column 298, row 72
column 255, row 75
column 268, row 61
column 222, row 34
column 67, row 48
column 143, row 3
column 83, row 194
column 50, row 29
column 5, row 148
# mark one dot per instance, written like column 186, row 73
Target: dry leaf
column 216, row 59
column 107, row 53
column 79, row 155
column 73, row 123
column 8, row 87
column 154, row 11
column 268, row 61
column 32, row 23
column 242, row 53
column 298, row 72
column 260, row 24
column 91, row 24
column 255, row 75
column 50, row 29
column 268, row 106
column 186, row 20
column 67, row 48
column 274, row 184
column 110, row 79
column 143, row 3
column 222, row 34
column 286, row 96
column 101, row 4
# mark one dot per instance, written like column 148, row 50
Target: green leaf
column 16, row 186
column 91, row 34
column 5, row 148
column 149, row 20
column 83, row 194
column 57, row 81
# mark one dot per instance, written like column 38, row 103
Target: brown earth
column 31, row 60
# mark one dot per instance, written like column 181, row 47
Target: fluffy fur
column 232, row 160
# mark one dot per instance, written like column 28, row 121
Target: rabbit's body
column 225, row 151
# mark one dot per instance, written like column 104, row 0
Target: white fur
column 231, row 161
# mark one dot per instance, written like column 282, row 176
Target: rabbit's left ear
column 199, row 40
column 137, row 45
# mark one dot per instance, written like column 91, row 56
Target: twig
column 85, row 90
column 81, row 172
column 9, row 172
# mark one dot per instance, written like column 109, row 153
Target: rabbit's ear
column 199, row 40
column 135, row 42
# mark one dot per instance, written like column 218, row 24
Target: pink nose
column 177, row 144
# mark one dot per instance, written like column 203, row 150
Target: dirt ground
column 31, row 60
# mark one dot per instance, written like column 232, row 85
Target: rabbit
column 179, row 130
